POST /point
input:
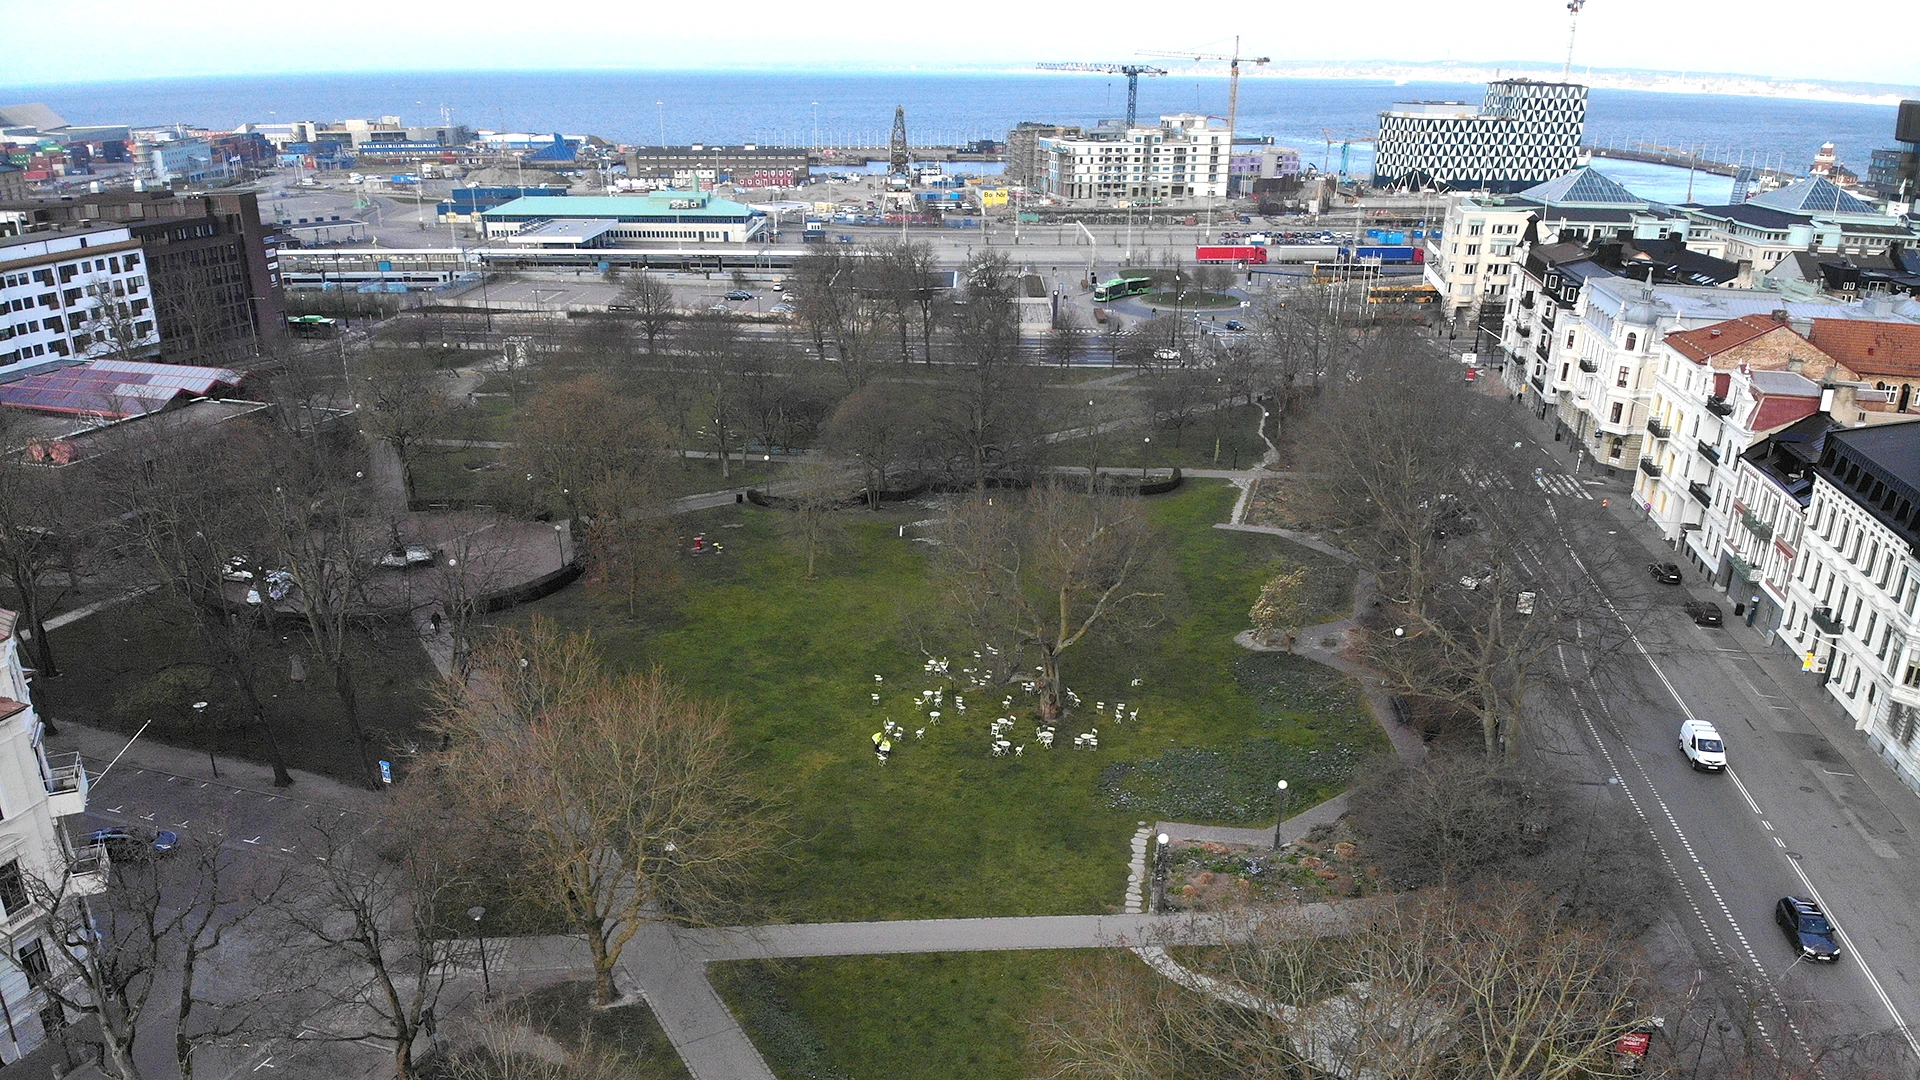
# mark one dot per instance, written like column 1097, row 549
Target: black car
column 1665, row 573
column 1807, row 928
column 129, row 843
column 1704, row 613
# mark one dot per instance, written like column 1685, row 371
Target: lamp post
column 1146, row 444
column 486, row 980
column 1160, row 875
column 1280, row 811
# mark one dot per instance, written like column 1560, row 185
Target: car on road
column 1166, row 355
column 1665, row 573
column 1235, row 326
column 1704, row 613
column 1808, row 929
column 134, row 843
column 1706, row 751
column 407, row 557
column 739, row 294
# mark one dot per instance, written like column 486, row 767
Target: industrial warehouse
column 684, row 217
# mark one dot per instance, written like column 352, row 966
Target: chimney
column 1713, row 333
column 1779, row 316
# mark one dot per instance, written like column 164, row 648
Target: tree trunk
column 26, row 584
column 1049, row 685
column 402, row 1059
column 251, row 697
column 603, row 989
column 350, row 700
column 119, row 1049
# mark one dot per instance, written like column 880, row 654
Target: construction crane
column 1346, row 148
column 1233, row 72
column 1131, row 71
column 1573, row 27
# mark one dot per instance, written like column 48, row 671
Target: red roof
column 1871, row 348
column 115, row 389
column 1703, row 343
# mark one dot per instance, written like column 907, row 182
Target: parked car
column 1665, row 573
column 134, row 843
column 1807, row 928
column 1166, row 355
column 739, row 294
column 1704, row 613
column 1706, row 751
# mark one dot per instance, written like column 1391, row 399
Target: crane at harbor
column 1573, row 27
column 1131, row 71
column 1233, row 72
column 1346, row 148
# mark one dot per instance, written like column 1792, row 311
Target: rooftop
column 1870, row 348
column 1811, row 195
column 114, row 389
column 570, row 231
column 694, row 204
column 1583, row 187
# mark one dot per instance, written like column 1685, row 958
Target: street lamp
column 1146, row 444
column 1160, row 875
column 486, row 980
column 1280, row 811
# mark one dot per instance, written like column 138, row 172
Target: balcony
column 1539, row 383
column 1709, row 451
column 66, row 786
column 1546, row 316
column 1761, row 530
column 1523, row 330
column 1591, row 367
column 87, row 873
column 1543, row 350
column 1657, row 429
column 1825, row 621
column 1700, row 493
column 1527, row 301
column 1719, row 406
column 1647, row 466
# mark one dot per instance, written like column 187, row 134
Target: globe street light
column 1159, row 906
column 1280, row 809
column 486, row 980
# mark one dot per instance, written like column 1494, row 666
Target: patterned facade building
column 1523, row 134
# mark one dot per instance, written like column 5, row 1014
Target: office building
column 215, row 277
column 1524, row 133
column 691, row 168
column 1809, row 215
column 74, row 292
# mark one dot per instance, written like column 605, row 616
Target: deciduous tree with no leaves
column 1281, row 607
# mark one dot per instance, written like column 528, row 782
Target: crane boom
column 1131, row 71
column 1573, row 27
column 1233, row 74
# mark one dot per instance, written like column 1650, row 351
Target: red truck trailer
column 1250, row 254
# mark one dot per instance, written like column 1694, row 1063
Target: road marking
column 112, row 810
column 255, row 840
column 1767, row 823
column 1913, row 1040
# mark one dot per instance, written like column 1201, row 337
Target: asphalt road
column 1803, row 808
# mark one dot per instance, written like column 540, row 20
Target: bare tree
column 884, row 427
column 628, row 802
column 815, row 495
column 372, row 935
column 42, row 509
column 403, row 398
column 1042, row 574
column 1066, row 341
column 651, row 301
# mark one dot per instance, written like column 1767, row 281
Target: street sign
column 386, row 772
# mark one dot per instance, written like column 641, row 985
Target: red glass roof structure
column 116, row 389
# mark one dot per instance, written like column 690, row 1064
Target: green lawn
column 478, row 473
column 945, row 829
column 1229, row 441
column 935, row 1016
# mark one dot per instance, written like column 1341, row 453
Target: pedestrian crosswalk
column 1561, row 484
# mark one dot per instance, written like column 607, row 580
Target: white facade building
column 37, row 794
column 1856, row 585
column 1522, row 134
column 74, row 293
column 1185, row 157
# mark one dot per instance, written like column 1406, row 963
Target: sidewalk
column 99, row 747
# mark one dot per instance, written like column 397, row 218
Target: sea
column 942, row 109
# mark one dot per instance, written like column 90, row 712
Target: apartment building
column 73, row 293
column 1185, row 157
column 1772, row 488
column 37, row 796
column 1026, row 165
column 1717, row 390
column 1851, row 599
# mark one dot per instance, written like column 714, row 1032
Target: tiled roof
column 1871, row 348
column 1706, row 342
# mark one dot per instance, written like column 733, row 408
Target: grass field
column 1229, row 441
column 477, row 474
column 945, row 829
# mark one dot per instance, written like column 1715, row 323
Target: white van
column 1702, row 744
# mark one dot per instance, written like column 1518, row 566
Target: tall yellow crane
column 1233, row 72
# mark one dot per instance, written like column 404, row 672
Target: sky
column 114, row 40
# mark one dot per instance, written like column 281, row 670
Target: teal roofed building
column 657, row 217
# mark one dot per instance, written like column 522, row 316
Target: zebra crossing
column 1561, row 484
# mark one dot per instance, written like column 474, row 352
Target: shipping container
column 1303, row 253
column 1386, row 254
column 1230, row 253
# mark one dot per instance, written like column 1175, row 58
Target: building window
column 1617, row 408
column 1620, row 378
column 33, row 962
column 13, row 889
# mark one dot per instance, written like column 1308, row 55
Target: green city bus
column 1121, row 286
